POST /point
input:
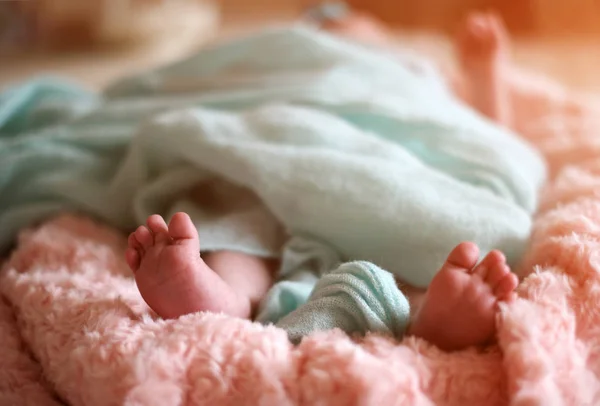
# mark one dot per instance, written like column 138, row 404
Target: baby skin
column 458, row 311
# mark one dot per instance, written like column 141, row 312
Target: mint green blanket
column 288, row 141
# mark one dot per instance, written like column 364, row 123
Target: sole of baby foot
column 461, row 303
column 170, row 274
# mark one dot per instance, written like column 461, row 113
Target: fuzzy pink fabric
column 74, row 306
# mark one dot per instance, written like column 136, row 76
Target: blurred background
column 96, row 41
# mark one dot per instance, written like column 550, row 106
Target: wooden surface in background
column 540, row 18
column 573, row 61
column 548, row 18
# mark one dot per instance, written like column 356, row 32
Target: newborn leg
column 483, row 53
column 174, row 280
column 460, row 306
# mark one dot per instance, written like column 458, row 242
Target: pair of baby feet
column 458, row 311
column 460, row 306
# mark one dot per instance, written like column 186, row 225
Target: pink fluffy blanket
column 73, row 328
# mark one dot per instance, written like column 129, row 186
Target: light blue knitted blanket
column 288, row 141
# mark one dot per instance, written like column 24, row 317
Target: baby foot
column 482, row 48
column 171, row 276
column 482, row 39
column 460, row 306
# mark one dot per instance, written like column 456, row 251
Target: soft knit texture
column 357, row 297
column 69, row 273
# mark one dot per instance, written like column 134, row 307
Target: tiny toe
column 132, row 242
column 181, row 227
column 464, row 256
column 477, row 23
column 133, row 258
column 144, row 237
column 496, row 274
column 506, row 286
column 495, row 20
column 159, row 228
column 492, row 260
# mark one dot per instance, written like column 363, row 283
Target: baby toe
column 496, row 23
column 183, row 231
column 132, row 257
column 496, row 274
column 464, row 256
column 181, row 227
column 144, row 237
column 492, row 260
column 506, row 286
column 159, row 228
column 132, row 242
